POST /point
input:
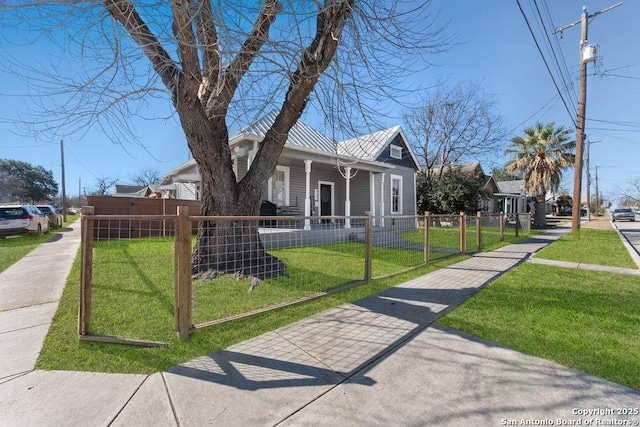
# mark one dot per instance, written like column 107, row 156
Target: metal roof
column 367, row 147
column 300, row 134
column 511, row 187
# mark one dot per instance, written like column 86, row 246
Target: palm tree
column 541, row 155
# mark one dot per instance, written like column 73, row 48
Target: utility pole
column 597, row 193
column 64, row 188
column 588, row 185
column 582, row 107
column 588, row 170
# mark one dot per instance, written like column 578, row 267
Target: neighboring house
column 148, row 191
column 513, row 198
column 317, row 176
column 485, row 205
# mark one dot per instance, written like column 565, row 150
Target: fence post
column 517, row 223
column 86, row 269
column 479, row 230
column 463, row 232
column 502, row 220
column 368, row 243
column 182, row 307
column 164, row 220
column 427, row 245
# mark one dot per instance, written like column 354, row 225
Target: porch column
column 307, row 194
column 382, row 199
column 347, row 200
column 372, row 196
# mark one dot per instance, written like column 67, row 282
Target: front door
column 326, row 199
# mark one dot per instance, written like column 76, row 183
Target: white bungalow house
column 317, row 176
column 513, row 197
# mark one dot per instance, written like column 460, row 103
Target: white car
column 55, row 219
column 22, row 218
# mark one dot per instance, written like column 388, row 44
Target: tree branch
column 218, row 102
column 125, row 12
column 315, row 60
column 208, row 38
column 183, row 32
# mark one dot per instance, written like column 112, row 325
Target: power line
column 566, row 75
column 535, row 40
column 78, row 160
column 615, row 130
column 624, row 66
column 615, row 122
column 606, row 74
column 550, row 103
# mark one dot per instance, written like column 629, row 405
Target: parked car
column 22, row 218
column 583, row 211
column 623, row 214
column 55, row 219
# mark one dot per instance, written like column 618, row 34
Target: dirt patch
column 599, row 222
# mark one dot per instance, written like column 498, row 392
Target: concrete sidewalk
column 377, row 361
column 29, row 294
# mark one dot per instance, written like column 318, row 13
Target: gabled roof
column 511, row 187
column 135, row 190
column 128, row 189
column 370, row 147
column 465, row 168
column 300, row 134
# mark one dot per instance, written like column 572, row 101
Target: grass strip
column 591, row 246
column 582, row 319
column 449, row 238
column 14, row 248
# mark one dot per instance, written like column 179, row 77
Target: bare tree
column 453, row 125
column 146, row 176
column 630, row 194
column 231, row 60
column 103, row 186
column 450, row 126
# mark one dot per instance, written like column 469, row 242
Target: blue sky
column 495, row 49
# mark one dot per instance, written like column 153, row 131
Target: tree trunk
column 223, row 246
column 540, row 216
column 232, row 246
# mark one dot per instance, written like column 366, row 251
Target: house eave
column 322, row 157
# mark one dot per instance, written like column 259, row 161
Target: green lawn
column 309, row 270
column 581, row 319
column 449, row 238
column 591, row 246
column 14, row 248
column 133, row 298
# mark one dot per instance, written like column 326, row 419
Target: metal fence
column 233, row 267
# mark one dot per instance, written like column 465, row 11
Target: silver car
column 623, row 214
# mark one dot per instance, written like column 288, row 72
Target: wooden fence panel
column 130, row 206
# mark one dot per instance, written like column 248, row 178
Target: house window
column 279, row 186
column 395, row 152
column 396, row 194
